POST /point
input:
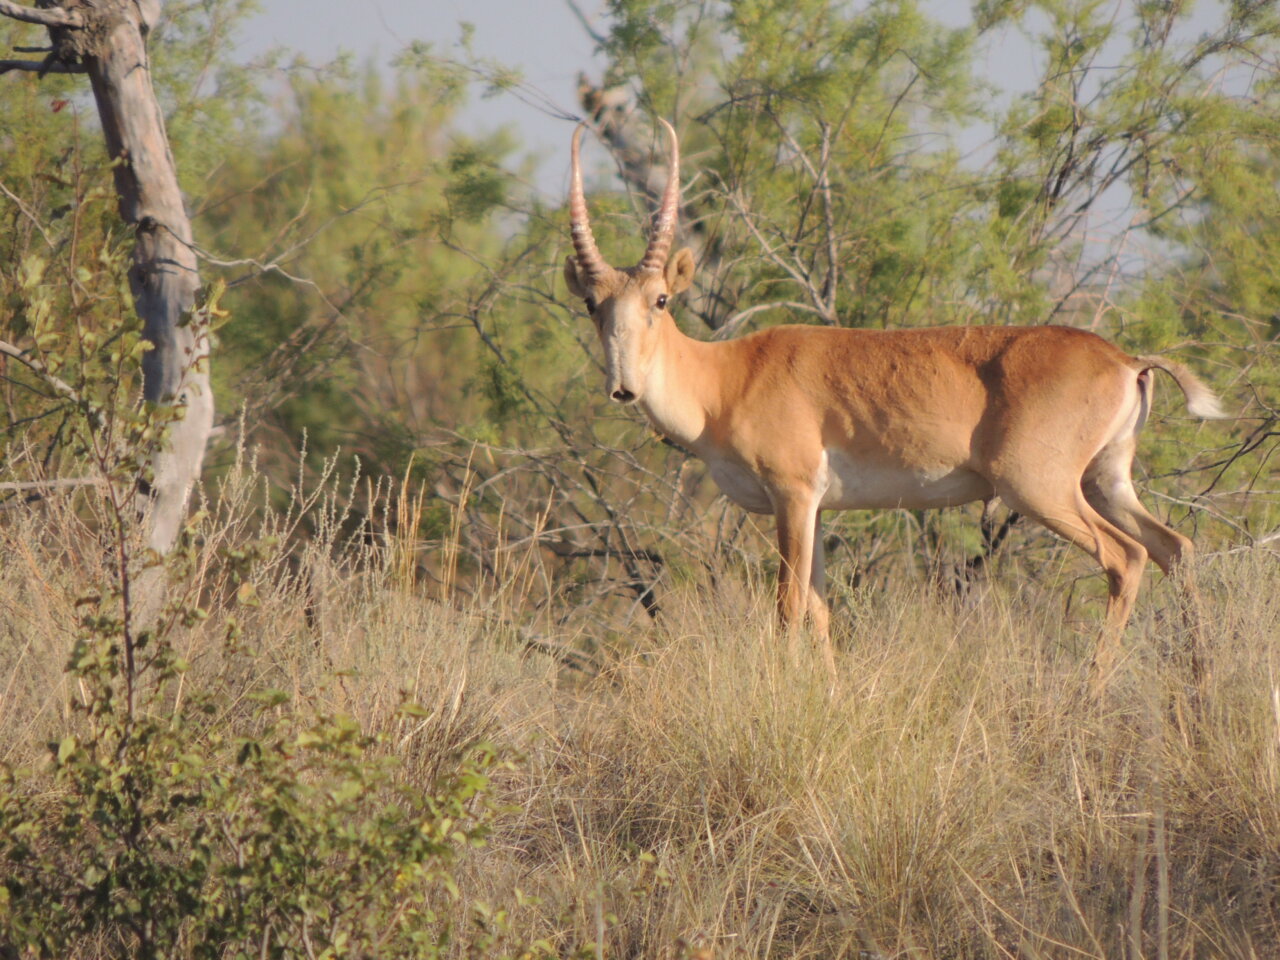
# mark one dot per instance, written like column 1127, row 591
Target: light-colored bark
column 108, row 39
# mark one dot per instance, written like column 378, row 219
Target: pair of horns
column 664, row 221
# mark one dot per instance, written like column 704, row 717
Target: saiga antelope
column 795, row 420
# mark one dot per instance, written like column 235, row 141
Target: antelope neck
column 683, row 386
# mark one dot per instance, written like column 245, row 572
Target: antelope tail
column 1201, row 401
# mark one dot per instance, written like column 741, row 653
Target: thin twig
column 824, row 298
column 793, row 269
column 37, row 367
column 735, row 323
column 27, row 212
column 53, row 483
column 1245, row 548
column 1204, row 507
column 585, row 22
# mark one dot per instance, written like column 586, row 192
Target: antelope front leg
column 800, row 574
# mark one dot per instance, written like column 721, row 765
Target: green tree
column 359, row 238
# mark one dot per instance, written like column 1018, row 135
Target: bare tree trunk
column 107, row 40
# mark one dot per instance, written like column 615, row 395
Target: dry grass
column 951, row 793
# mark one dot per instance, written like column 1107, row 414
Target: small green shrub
column 158, row 830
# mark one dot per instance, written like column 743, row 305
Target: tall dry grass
column 690, row 790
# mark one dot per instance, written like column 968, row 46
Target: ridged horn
column 584, row 243
column 664, row 221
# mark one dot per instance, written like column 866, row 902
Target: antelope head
column 630, row 307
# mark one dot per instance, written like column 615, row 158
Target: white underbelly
column 740, row 485
column 859, row 485
column 847, row 484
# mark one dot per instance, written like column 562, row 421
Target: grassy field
column 688, row 790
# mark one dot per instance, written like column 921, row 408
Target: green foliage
column 64, row 288
column 844, row 101
column 71, row 391
column 167, row 823
column 476, row 185
column 210, row 101
column 161, row 834
column 376, row 228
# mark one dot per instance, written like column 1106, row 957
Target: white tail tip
column 1203, row 404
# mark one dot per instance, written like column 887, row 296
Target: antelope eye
column 661, row 301
column 591, row 306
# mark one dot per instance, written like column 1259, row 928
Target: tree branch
column 830, row 283
column 47, row 17
column 54, row 483
column 585, row 23
column 40, row 66
column 794, row 269
column 39, row 369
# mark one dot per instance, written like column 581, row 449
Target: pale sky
column 547, row 43
column 542, row 38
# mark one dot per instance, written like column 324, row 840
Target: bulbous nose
column 623, row 395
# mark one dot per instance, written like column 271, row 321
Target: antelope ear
column 571, row 279
column 679, row 271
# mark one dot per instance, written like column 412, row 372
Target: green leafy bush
column 160, row 828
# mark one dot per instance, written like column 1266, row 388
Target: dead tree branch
column 47, row 65
column 44, row 16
